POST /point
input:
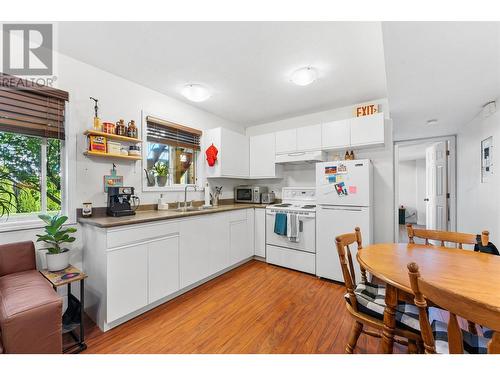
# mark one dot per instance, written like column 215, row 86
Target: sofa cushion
column 24, row 291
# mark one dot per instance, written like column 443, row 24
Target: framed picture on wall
column 486, row 159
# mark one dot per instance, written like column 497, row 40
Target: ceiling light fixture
column 196, row 92
column 432, row 122
column 304, row 76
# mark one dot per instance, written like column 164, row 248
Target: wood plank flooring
column 256, row 308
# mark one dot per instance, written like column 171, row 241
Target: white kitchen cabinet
column 286, row 141
column 241, row 243
column 262, row 157
column 336, row 135
column 309, row 138
column 260, row 232
column 194, row 262
column 163, row 267
column 233, row 157
column 367, row 130
column 127, row 280
column 218, row 242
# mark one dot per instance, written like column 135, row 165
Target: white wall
column 478, row 203
column 381, row 157
column 407, row 188
column 421, row 176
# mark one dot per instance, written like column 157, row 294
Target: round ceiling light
column 304, row 76
column 196, row 92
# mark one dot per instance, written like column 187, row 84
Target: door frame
column 452, row 178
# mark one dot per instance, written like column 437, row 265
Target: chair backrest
column 454, row 237
column 457, row 306
column 17, row 257
column 343, row 242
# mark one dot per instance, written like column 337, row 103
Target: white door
column 163, row 265
column 286, row 141
column 263, row 155
column 307, row 233
column 260, row 232
column 127, row 279
column 309, row 138
column 332, row 221
column 336, row 134
column 436, row 170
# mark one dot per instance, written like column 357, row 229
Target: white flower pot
column 57, row 262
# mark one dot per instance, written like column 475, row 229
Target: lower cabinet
column 260, row 232
column 128, row 273
column 163, row 268
column 127, row 279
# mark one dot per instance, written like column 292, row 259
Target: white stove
column 297, row 253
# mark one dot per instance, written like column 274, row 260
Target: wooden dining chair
column 457, row 238
column 365, row 302
column 442, row 337
column 444, row 237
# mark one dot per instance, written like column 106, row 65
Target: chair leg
column 420, row 347
column 356, row 330
column 412, row 347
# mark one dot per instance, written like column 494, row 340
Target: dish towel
column 280, row 224
column 293, row 227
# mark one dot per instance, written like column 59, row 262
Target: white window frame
column 15, row 222
column 175, row 187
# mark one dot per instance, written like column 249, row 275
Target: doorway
column 424, row 185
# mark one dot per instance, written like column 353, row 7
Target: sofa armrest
column 17, row 257
column 34, row 331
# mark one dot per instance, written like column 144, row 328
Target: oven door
column 243, row 195
column 307, row 233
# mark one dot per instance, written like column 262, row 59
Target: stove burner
column 282, row 205
column 308, row 206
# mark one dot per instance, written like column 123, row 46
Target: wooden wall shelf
column 116, row 156
column 112, row 136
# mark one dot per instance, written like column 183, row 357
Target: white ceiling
column 247, row 64
column 439, row 70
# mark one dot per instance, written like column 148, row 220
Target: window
column 171, row 154
column 31, row 149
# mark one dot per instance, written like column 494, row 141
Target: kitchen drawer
column 297, row 260
column 129, row 234
column 237, row 215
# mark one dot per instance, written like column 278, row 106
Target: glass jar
column 132, row 129
column 121, row 129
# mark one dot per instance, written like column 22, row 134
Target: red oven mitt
column 211, row 153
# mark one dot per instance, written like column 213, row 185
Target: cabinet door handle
column 426, row 199
column 296, row 153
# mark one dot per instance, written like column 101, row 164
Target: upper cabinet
column 309, row 138
column 233, row 156
column 367, row 130
column 262, row 157
column 306, row 138
column 286, row 141
column 336, row 134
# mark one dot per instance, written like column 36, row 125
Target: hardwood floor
column 256, row 308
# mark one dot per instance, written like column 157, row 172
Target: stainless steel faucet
column 185, row 193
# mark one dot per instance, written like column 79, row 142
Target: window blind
column 172, row 134
column 29, row 109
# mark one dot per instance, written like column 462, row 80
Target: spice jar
column 121, row 129
column 108, row 127
column 132, row 129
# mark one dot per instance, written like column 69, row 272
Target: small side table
column 73, row 316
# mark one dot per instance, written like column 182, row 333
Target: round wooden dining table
column 467, row 273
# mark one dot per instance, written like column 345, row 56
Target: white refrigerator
column 344, row 201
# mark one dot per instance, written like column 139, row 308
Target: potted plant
column 161, row 170
column 56, row 236
column 6, row 195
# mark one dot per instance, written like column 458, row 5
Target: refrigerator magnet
column 353, row 189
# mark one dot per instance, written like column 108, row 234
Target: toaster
column 267, row 198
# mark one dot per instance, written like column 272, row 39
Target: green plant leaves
column 54, row 235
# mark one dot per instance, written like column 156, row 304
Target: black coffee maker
column 122, row 201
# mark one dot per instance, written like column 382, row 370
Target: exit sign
column 366, row 110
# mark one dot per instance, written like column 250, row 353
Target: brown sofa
column 30, row 310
